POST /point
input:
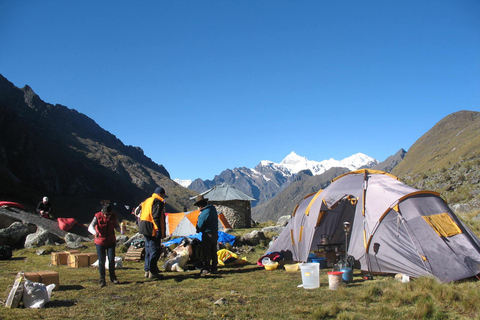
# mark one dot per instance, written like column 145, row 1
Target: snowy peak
column 293, row 163
column 183, row 183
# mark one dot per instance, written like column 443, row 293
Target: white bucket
column 334, row 279
column 310, row 275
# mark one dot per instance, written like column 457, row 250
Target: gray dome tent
column 394, row 228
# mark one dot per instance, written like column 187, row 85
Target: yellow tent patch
column 443, row 224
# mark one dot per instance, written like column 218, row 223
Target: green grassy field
column 249, row 292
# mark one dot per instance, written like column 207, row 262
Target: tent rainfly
column 395, row 228
column 183, row 224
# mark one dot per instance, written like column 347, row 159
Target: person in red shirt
column 103, row 226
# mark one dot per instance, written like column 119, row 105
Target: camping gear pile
column 394, row 228
column 32, row 294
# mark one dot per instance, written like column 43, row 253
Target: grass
column 250, row 292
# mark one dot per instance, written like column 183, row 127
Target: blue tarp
column 222, row 237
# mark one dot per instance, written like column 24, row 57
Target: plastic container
column 271, row 266
column 334, row 279
column 347, row 275
column 310, row 275
column 321, row 261
column 291, row 267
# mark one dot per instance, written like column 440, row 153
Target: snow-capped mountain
column 183, row 183
column 268, row 178
column 295, row 163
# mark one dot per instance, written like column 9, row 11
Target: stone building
column 233, row 203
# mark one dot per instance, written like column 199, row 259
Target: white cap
column 45, row 199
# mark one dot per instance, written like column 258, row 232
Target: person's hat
column 45, row 199
column 200, row 200
column 160, row 190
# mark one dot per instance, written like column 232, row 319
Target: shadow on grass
column 18, row 258
column 60, row 303
column 70, row 288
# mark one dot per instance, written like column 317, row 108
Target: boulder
column 274, row 229
column 253, row 238
column 283, row 220
column 40, row 238
column 121, row 239
column 74, row 241
column 133, row 238
column 13, row 234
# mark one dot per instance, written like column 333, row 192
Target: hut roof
column 225, row 192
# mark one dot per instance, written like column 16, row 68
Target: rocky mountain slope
column 446, row 159
column 52, row 150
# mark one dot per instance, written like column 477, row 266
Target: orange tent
column 183, row 224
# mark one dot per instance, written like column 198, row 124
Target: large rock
column 121, row 239
column 283, row 220
column 274, row 229
column 253, row 238
column 41, row 238
column 13, row 234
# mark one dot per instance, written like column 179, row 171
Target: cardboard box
column 59, row 258
column 32, row 276
column 45, row 277
column 92, row 257
column 78, row 260
column 49, row 277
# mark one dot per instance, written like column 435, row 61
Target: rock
column 283, row 220
column 121, row 239
column 136, row 236
column 253, row 238
column 73, row 241
column 274, row 229
column 220, row 302
column 13, row 234
column 40, row 238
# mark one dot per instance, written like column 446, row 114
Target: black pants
column 209, row 251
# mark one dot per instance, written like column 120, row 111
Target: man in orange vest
column 152, row 226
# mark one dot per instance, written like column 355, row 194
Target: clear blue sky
column 203, row 86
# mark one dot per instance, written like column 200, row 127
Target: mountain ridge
column 52, row 150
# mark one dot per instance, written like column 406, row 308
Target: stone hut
column 234, row 204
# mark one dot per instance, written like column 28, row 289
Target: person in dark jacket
column 207, row 224
column 152, row 226
column 103, row 226
column 44, row 208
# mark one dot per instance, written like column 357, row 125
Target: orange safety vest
column 146, row 214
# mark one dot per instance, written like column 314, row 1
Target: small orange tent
column 183, row 224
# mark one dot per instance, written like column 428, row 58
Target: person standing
column 207, row 224
column 103, row 226
column 44, row 208
column 152, row 226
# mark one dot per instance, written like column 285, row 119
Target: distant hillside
column 52, row 150
column 446, row 159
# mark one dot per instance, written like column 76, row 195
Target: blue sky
column 202, row 86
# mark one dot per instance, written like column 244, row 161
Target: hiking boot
column 102, row 283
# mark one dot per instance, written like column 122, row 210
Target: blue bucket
column 347, row 275
column 321, row 261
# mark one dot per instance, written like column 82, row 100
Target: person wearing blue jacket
column 207, row 224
